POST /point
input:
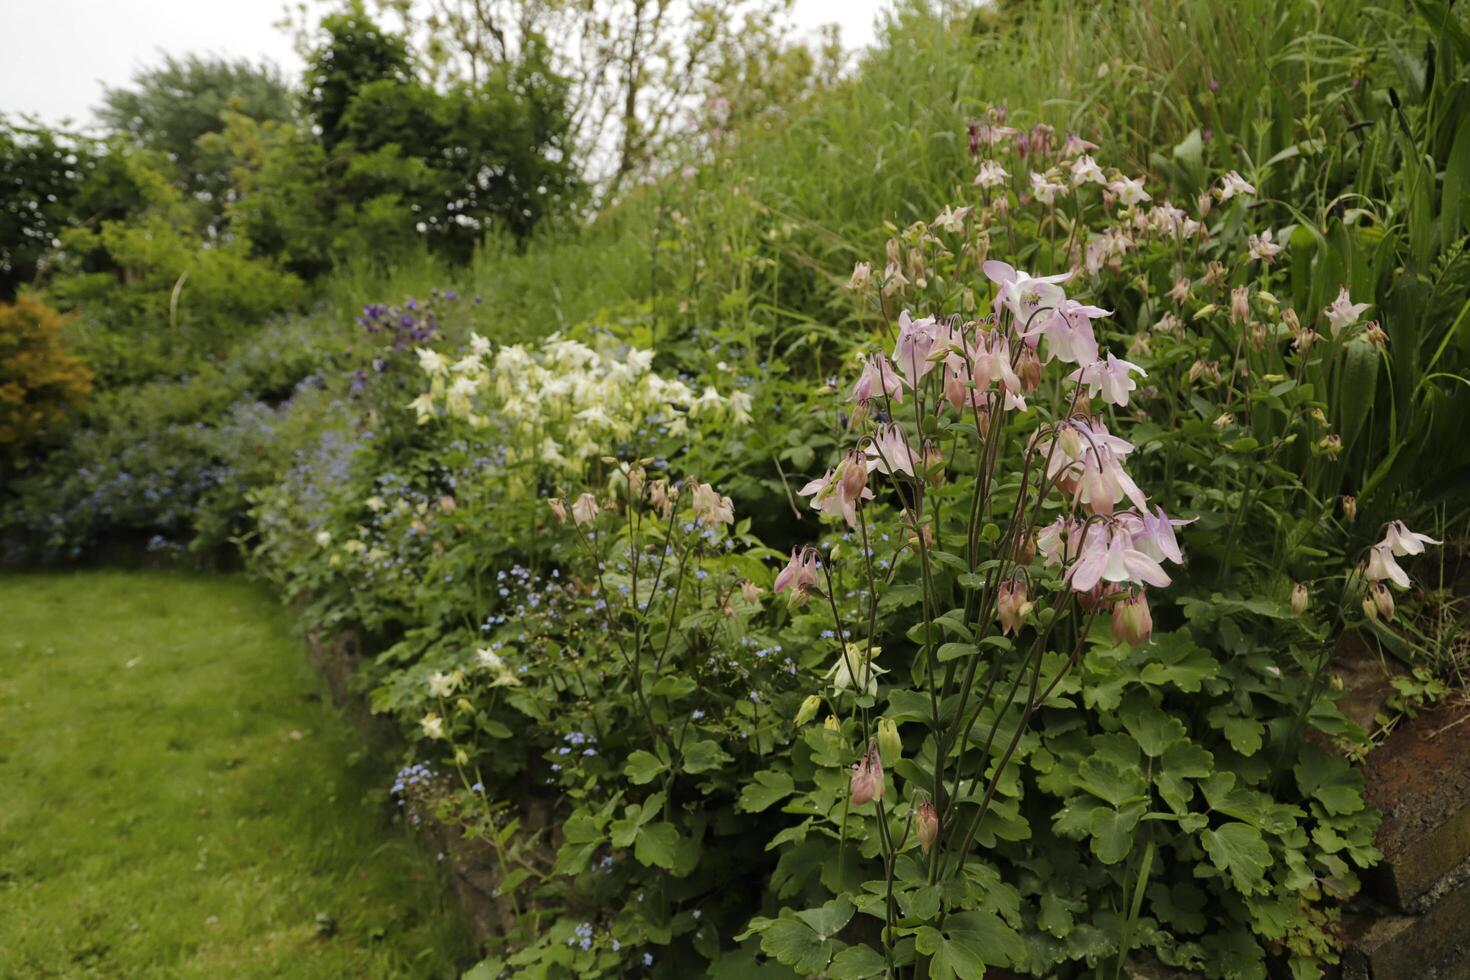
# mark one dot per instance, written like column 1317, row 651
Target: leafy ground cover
column 181, row 800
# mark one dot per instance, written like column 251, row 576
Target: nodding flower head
column 799, row 576
column 1132, row 622
column 926, row 824
column 867, row 782
column 1012, row 605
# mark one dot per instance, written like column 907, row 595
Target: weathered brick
column 1420, row 780
column 1431, row 946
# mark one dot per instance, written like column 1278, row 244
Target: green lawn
column 178, row 797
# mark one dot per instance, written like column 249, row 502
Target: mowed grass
column 179, row 798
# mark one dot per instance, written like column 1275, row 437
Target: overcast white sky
column 59, row 53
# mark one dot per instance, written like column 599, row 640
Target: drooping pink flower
column 831, row 494
column 867, row 782
column 1109, row 556
column 889, row 451
column 1012, row 604
column 911, row 353
column 1074, row 144
column 1068, row 332
column 878, row 378
column 1154, row 536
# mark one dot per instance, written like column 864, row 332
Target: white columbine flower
column 1129, row 190
column 1232, row 184
column 1262, row 247
column 1343, row 312
column 1402, row 541
column 442, row 685
column 431, row 361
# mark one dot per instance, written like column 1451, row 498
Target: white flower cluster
column 564, row 401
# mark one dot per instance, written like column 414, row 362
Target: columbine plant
column 1018, row 528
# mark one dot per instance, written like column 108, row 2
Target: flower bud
column 750, row 592
column 867, row 782
column 862, row 277
column 853, row 475
column 933, row 464
column 1350, row 509
column 832, row 724
column 1028, row 369
column 637, row 477
column 447, row 504
column 1331, row 445
column 1240, row 304
column 1024, row 552
column 1132, row 621
column 559, row 508
column 808, row 709
column 1299, row 598
column 1012, row 605
column 889, row 743
column 1382, row 600
column 1204, row 203
column 926, row 824
column 860, row 413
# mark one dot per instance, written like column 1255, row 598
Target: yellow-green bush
column 40, row 382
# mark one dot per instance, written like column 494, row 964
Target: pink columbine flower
column 890, row 452
column 1022, row 293
column 1074, row 144
column 1343, row 312
column 926, row 824
column 867, row 777
column 1115, row 561
column 1109, row 377
column 1103, row 483
column 800, row 573
column 1262, row 247
column 833, row 493
column 1153, row 535
column 1129, row 190
column 911, row 353
column 1402, row 541
column 878, row 377
column 991, row 174
column 1068, row 332
column 1382, row 566
column 1232, row 184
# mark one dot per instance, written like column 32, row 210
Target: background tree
column 42, row 173
column 174, row 108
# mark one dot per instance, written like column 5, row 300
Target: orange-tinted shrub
column 39, row 381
